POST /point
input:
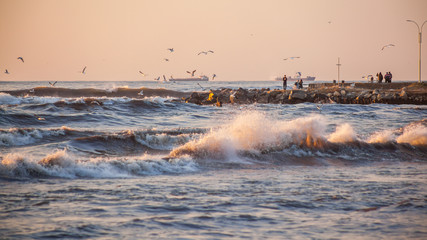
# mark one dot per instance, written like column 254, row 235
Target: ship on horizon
column 202, row 78
column 297, row 77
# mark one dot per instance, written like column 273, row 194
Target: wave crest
column 255, row 133
column 62, row 164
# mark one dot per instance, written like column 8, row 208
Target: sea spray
column 414, row 135
column 344, row 133
column 384, row 136
column 253, row 131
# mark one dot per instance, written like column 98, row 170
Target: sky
column 115, row 39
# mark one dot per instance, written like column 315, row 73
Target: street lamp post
column 420, row 31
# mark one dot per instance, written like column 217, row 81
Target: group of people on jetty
column 387, row 77
column 297, row 84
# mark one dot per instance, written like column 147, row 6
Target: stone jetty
column 343, row 93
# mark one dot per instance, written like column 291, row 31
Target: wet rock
column 337, row 94
column 403, row 94
column 263, row 97
column 297, row 95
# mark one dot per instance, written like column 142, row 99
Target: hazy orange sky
column 250, row 39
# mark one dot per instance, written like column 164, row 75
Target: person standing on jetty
column 386, row 77
column 380, row 77
column 285, row 82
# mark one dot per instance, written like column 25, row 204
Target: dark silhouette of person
column 380, row 77
column 285, row 82
column 387, row 77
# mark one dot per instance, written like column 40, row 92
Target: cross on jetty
column 339, row 65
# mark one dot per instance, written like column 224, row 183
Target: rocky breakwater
column 415, row 93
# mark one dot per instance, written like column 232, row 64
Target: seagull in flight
column 166, row 59
column 157, row 78
column 84, row 70
column 53, row 84
column 7, row 72
column 203, row 89
column 20, row 58
column 319, row 107
column 213, row 76
column 387, row 46
column 143, row 74
column 170, row 49
column 205, row 52
column 291, row 58
column 141, row 93
column 192, row 73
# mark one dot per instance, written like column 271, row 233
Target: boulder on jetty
column 356, row 93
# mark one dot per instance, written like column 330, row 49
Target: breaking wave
column 254, row 135
column 27, row 136
column 62, row 164
column 250, row 138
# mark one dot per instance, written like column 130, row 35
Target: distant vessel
column 192, row 79
column 297, row 77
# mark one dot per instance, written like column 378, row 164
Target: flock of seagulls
column 19, row 58
column 192, row 73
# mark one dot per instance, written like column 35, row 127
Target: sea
column 80, row 165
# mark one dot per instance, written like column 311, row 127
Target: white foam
column 157, row 99
column 382, row 137
column 7, row 99
column 344, row 133
column 20, row 137
column 65, row 165
column 254, row 131
column 161, row 141
column 414, row 135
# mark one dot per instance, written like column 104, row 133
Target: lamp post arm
column 423, row 25
column 419, row 30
